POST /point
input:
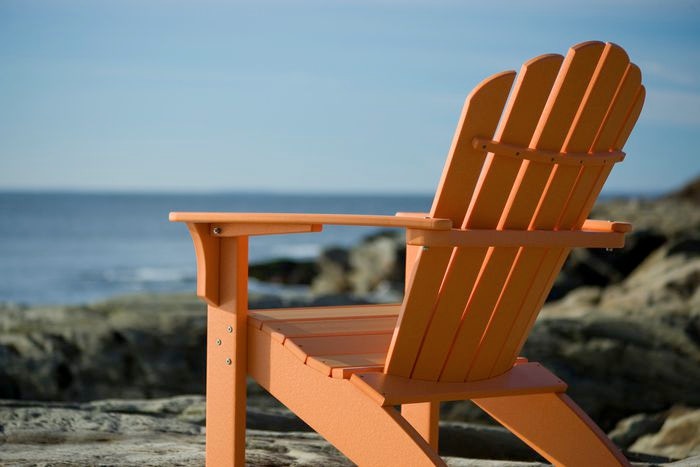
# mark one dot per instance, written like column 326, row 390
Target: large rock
column 130, row 347
column 674, row 433
column 639, row 337
column 373, row 269
column 147, row 346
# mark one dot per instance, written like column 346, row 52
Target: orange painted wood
column 510, row 302
column 389, row 390
column 532, row 89
column 614, row 132
column 330, row 327
column 226, row 358
column 460, row 279
column 538, row 155
column 425, row 418
column 337, row 345
column 620, row 110
column 365, row 432
column 513, row 238
column 595, row 225
column 250, row 229
column 294, row 218
column 343, row 366
column 619, row 121
column 553, row 134
column 480, row 117
column 587, row 125
column 425, row 280
column 206, row 248
column 554, row 426
column 512, row 340
column 275, row 315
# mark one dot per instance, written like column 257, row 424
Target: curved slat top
column 295, row 218
column 480, row 116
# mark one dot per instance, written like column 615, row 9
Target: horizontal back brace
column 539, row 155
column 515, row 238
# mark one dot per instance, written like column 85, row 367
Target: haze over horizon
column 305, row 96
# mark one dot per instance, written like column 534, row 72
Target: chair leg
column 226, row 360
column 554, row 426
column 367, row 433
column 425, row 418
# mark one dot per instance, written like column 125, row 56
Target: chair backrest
column 468, row 310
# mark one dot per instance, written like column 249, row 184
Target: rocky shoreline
column 621, row 328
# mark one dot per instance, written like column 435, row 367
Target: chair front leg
column 226, row 358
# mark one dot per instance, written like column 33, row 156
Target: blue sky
column 310, row 96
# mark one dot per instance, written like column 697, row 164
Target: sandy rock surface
column 170, row 432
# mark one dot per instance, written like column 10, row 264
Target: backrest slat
column 480, row 116
column 467, row 311
column 618, row 124
column 526, row 102
column 499, row 274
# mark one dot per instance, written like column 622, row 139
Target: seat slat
column 262, row 316
column 343, row 366
column 330, row 327
column 520, row 116
column 303, row 347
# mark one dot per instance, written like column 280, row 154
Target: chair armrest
column 606, row 226
column 293, row 219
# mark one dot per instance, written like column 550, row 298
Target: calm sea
column 66, row 248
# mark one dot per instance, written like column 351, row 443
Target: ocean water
column 70, row 248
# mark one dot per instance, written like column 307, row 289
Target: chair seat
column 337, row 341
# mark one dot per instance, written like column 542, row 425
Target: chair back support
column 468, row 310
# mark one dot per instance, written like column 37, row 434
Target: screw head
column 229, row 329
column 228, row 361
column 216, row 230
column 218, row 342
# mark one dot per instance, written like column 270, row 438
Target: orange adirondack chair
column 521, row 177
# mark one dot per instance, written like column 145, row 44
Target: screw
column 218, row 342
column 425, row 248
column 228, row 361
column 217, row 230
column 229, row 329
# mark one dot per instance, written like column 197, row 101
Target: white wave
column 146, row 275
